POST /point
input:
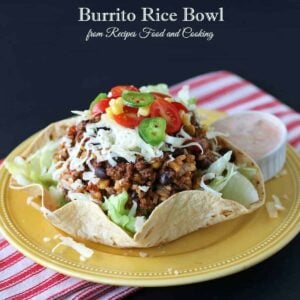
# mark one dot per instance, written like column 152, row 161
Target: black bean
column 232, row 158
column 120, row 160
column 177, row 152
column 223, row 151
column 194, row 120
column 100, row 173
column 166, row 177
column 134, row 195
column 104, row 128
column 203, row 164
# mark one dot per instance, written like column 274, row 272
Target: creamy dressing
column 256, row 133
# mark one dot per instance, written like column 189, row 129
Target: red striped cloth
column 21, row 278
column 229, row 92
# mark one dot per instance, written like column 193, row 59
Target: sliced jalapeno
column 99, row 97
column 153, row 130
column 137, row 99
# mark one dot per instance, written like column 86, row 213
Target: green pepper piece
column 153, row 130
column 99, row 97
column 137, row 99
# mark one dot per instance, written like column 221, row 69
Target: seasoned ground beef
column 147, row 183
column 121, row 170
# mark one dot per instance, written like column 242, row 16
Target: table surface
column 47, row 70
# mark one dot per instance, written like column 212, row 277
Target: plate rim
column 172, row 280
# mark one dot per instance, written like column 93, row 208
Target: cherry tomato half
column 129, row 119
column 128, row 109
column 180, row 106
column 165, row 109
column 158, row 96
column 100, row 106
column 118, row 90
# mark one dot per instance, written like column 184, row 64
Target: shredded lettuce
column 182, row 96
column 58, row 196
column 219, row 182
column 230, row 181
column 220, row 164
column 185, row 97
column 37, row 168
column 207, row 188
column 241, row 190
column 248, row 172
column 115, row 207
column 158, row 88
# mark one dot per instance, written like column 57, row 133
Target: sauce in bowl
column 261, row 135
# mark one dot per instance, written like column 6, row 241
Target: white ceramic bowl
column 270, row 161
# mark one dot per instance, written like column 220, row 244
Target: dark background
column 47, row 69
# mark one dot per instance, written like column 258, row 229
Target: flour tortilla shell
column 177, row 216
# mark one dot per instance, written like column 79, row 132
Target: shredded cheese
column 80, row 248
column 281, row 173
column 139, row 222
column 192, row 144
column 171, row 158
column 277, row 203
column 46, row 212
column 30, row 202
column 143, row 254
column 144, row 188
column 88, row 175
column 271, row 209
column 285, row 196
column 77, row 184
column 106, row 140
column 184, row 134
column 274, row 206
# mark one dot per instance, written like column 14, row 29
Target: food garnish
column 99, row 97
column 152, row 130
column 137, row 99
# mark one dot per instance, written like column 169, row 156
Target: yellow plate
column 209, row 253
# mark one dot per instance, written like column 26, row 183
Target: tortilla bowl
column 182, row 213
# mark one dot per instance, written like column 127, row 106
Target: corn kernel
column 156, row 164
column 103, row 183
column 185, row 118
column 190, row 129
column 109, row 113
column 144, row 111
column 174, row 165
column 116, row 106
